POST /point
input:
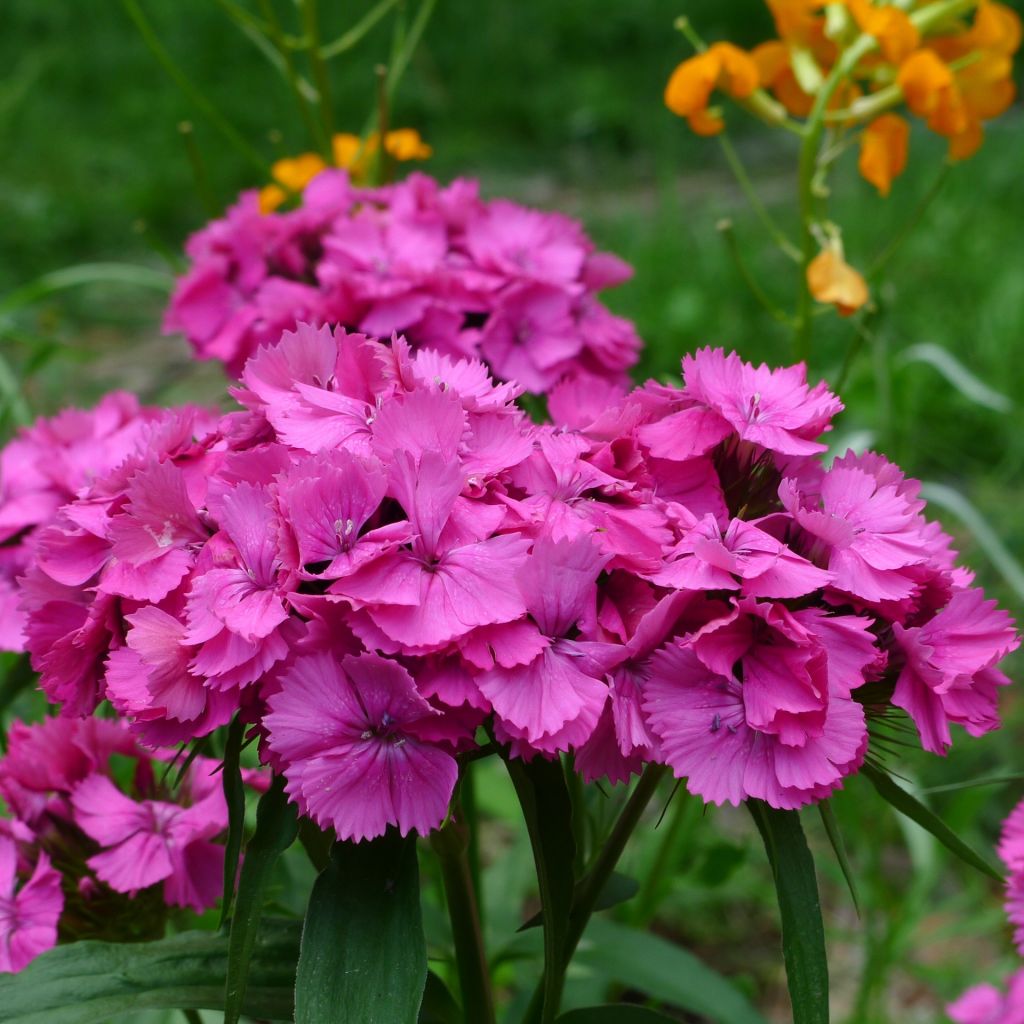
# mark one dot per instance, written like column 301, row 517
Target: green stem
column 409, row 44
column 467, row 793
column 313, row 126
column 728, row 233
column 593, row 882
column 349, row 39
column 732, row 158
column 808, row 165
column 311, row 25
column 14, row 400
column 195, row 160
column 451, row 844
column 881, row 261
column 152, row 40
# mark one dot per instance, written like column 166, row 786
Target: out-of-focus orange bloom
column 832, row 280
column 776, row 73
column 896, row 34
column 797, row 20
column 883, row 151
column 722, row 66
column 291, row 175
column 356, row 154
column 996, row 29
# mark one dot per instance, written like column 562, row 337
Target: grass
column 570, row 117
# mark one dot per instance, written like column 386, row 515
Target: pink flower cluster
column 495, row 281
column 107, row 837
column 380, row 555
column 45, row 467
column 986, row 1004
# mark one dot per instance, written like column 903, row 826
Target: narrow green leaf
column 349, row 39
column 916, row 811
column 617, row 1014
column 803, row 935
column 85, row 274
column 663, row 971
column 547, row 809
column 439, row 1006
column 96, row 982
column 234, row 796
column 835, row 837
column 967, row 383
column 363, row 958
column 276, row 828
column 16, row 676
column 618, row 889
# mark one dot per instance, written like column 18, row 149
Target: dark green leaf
column 95, row 982
column 234, row 796
column 835, row 837
column 276, row 827
column 16, row 676
column 619, row 1014
column 663, row 971
column 547, row 809
column 363, row 957
column 617, row 889
column 803, row 935
column 439, row 1006
column 910, row 806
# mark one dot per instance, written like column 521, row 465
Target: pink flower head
column 346, row 733
column 29, row 913
column 147, row 842
column 949, row 674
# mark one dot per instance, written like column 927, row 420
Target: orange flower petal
column 690, row 85
column 832, row 280
column 967, row 142
column 923, row 77
column 703, row 122
column 295, row 173
column 771, row 59
column 738, row 74
column 896, row 33
column 797, row 20
column 883, row 151
column 345, row 149
column 406, row 144
column 996, row 28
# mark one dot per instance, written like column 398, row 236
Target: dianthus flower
column 29, row 912
column 985, row 1004
column 451, row 272
column 380, row 554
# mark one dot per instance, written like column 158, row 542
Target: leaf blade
column 363, row 958
column 620, row 1013
column 803, row 933
column 909, row 806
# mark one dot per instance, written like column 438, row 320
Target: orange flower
column 797, row 20
column 883, row 151
column 356, row 154
column 930, row 89
column 291, row 175
column 831, row 279
column 896, row 33
column 775, row 72
column 722, row 66
column 996, row 29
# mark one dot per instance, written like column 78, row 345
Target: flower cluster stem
column 451, row 844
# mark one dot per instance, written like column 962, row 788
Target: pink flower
column 949, row 674
column 29, row 914
column 147, row 842
column 346, row 734
column 985, row 1004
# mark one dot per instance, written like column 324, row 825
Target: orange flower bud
column 295, row 173
column 406, row 144
column 776, row 73
column 831, row 279
column 996, row 29
column 883, row 151
column 924, row 77
column 271, row 197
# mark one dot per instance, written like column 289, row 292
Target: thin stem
column 383, row 158
column 589, row 887
column 349, row 39
column 152, row 40
column 467, row 792
column 13, row 399
column 192, row 1016
column 313, row 126
column 409, row 44
column 732, row 158
column 195, row 160
column 311, row 24
column 728, row 233
column 881, row 261
column 451, row 843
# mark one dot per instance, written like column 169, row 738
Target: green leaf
column 664, row 972
column 16, row 676
column 276, row 828
column 803, row 935
column 363, row 958
column 547, row 809
column 967, row 383
column 95, row 982
column 85, row 274
column 618, row 889
column 439, row 1006
column 234, row 797
column 617, row 1014
column 835, row 837
column 912, row 808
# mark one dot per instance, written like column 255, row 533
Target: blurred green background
column 559, row 104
